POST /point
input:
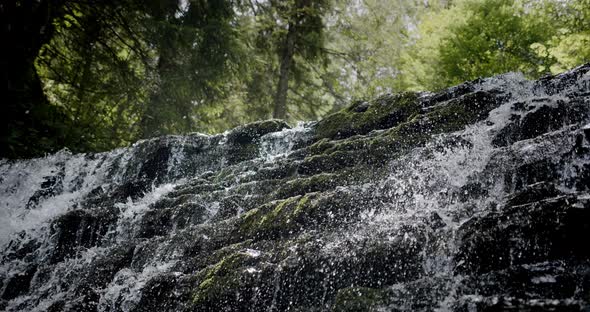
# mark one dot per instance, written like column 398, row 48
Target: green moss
column 339, row 162
column 251, row 213
column 420, row 126
column 418, row 130
column 351, row 144
column 301, row 205
column 320, row 146
column 223, row 268
column 276, row 218
column 452, row 116
column 224, row 174
column 256, row 187
column 382, row 113
column 302, row 186
column 222, row 279
column 359, row 299
column 250, row 221
column 280, row 171
column 279, row 215
column 328, row 163
column 413, row 130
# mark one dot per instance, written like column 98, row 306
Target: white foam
column 131, row 211
column 279, row 144
column 123, row 293
column 76, row 176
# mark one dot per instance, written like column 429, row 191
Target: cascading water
column 468, row 199
column 435, row 182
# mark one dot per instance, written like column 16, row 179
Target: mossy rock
column 310, row 275
column 326, row 181
column 242, row 142
column 234, row 283
column 364, row 117
column 320, row 146
column 274, row 218
column 312, row 211
column 304, row 185
column 413, row 131
column 358, row 299
column 288, row 217
column 458, row 113
column 256, row 187
column 329, row 163
column 247, row 134
column 281, row 170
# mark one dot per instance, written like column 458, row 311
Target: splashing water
column 105, row 229
column 280, row 144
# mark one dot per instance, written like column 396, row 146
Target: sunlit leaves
column 479, row 38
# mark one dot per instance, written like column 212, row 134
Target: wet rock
column 534, row 281
column 19, row 283
column 79, row 229
column 155, row 165
column 545, row 116
column 241, row 142
column 471, row 190
column 249, row 133
column 357, row 299
column 512, row 304
column 156, row 222
column 361, row 118
column 51, row 186
column 544, row 170
column 301, row 275
column 533, row 193
column 544, row 230
column 472, row 198
column 166, row 292
column 21, row 248
column 434, row 221
column 454, row 92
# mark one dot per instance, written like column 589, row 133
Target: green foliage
column 198, row 57
column 495, row 38
column 270, row 27
column 93, row 76
column 470, row 40
column 124, row 71
column 115, row 72
column 570, row 45
column 479, row 38
column 366, row 40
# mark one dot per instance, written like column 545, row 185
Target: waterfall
column 468, row 199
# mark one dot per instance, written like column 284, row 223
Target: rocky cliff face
column 472, row 199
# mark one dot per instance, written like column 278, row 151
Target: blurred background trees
column 94, row 75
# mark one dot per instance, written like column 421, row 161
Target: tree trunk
column 280, row 105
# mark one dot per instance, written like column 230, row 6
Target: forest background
column 92, row 75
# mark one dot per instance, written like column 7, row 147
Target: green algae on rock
column 364, row 117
